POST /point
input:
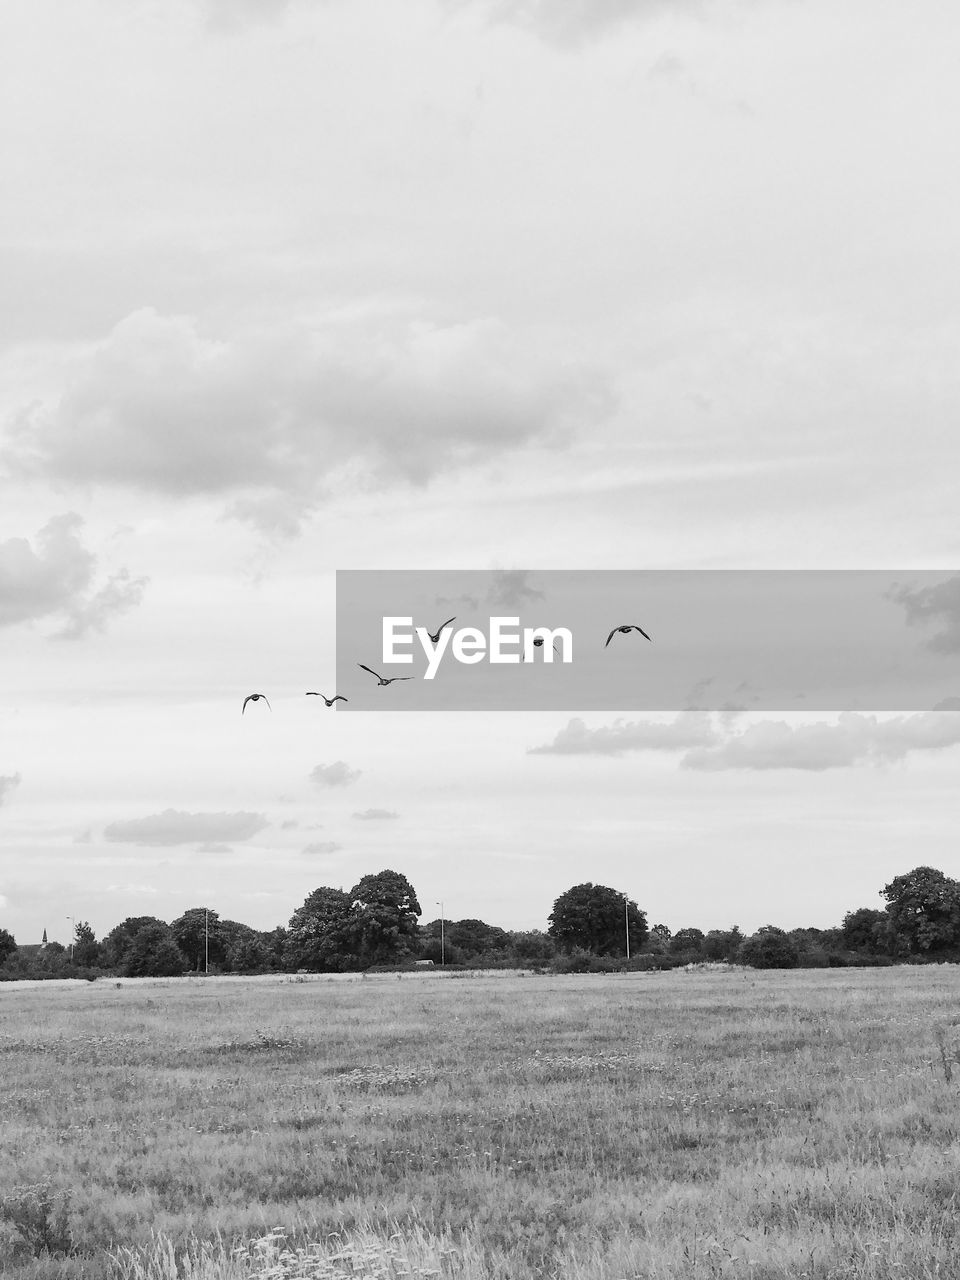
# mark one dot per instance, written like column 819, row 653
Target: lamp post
column 626, row 921
column 443, row 956
column 206, row 941
column 73, row 936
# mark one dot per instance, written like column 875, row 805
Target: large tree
column 320, row 936
column 924, row 911
column 8, row 945
column 384, row 914
column 594, row 917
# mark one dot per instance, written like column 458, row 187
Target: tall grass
column 713, row 1124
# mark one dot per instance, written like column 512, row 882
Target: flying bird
column 434, row 638
column 337, row 697
column 254, row 697
column 384, row 680
column 631, row 626
column 538, row 642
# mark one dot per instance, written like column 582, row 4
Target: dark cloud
column 7, row 783
column 376, row 815
column 855, row 738
column 948, row 704
column 173, row 826
column 56, row 577
column 689, row 729
column 338, row 774
column 268, row 420
column 511, row 590
column 933, row 605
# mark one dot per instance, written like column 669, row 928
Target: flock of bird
column 383, row 681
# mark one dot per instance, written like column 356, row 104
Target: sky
column 296, row 287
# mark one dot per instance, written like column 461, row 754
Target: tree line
column 591, row 927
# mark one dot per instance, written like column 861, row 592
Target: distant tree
column 249, row 953
column 592, row 916
column 121, row 937
column 658, row 938
column 276, row 940
column 722, row 944
column 530, row 947
column 770, row 948
column 86, row 949
column 923, row 907
column 196, row 932
column 687, row 942
column 320, row 937
column 866, row 930
column 154, row 954
column 8, row 945
column 384, row 915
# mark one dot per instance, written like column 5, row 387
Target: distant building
column 44, row 941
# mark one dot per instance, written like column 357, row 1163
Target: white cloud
column 7, row 784
column 775, row 744
column 321, row 846
column 229, row 16
column 376, row 815
column 690, row 728
column 120, row 594
column 56, row 578
column 173, row 827
column 131, row 888
column 572, row 22
column 338, row 774
column 271, row 417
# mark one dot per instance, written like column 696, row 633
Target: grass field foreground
column 688, row 1124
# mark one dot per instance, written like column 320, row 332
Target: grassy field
column 687, row 1124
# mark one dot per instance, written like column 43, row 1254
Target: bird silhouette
column 630, row 626
column 254, row 697
column 435, row 638
column 384, row 680
column 337, row 697
column 538, row 642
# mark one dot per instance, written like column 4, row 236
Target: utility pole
column 73, row 935
column 206, row 941
column 626, row 921
column 443, row 957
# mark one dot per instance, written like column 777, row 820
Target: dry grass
column 713, row 1124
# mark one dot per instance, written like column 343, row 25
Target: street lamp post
column 443, row 954
column 626, row 921
column 206, row 941
column 74, row 923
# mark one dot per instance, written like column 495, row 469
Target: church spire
column 44, row 942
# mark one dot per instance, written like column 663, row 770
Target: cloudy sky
column 292, row 287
